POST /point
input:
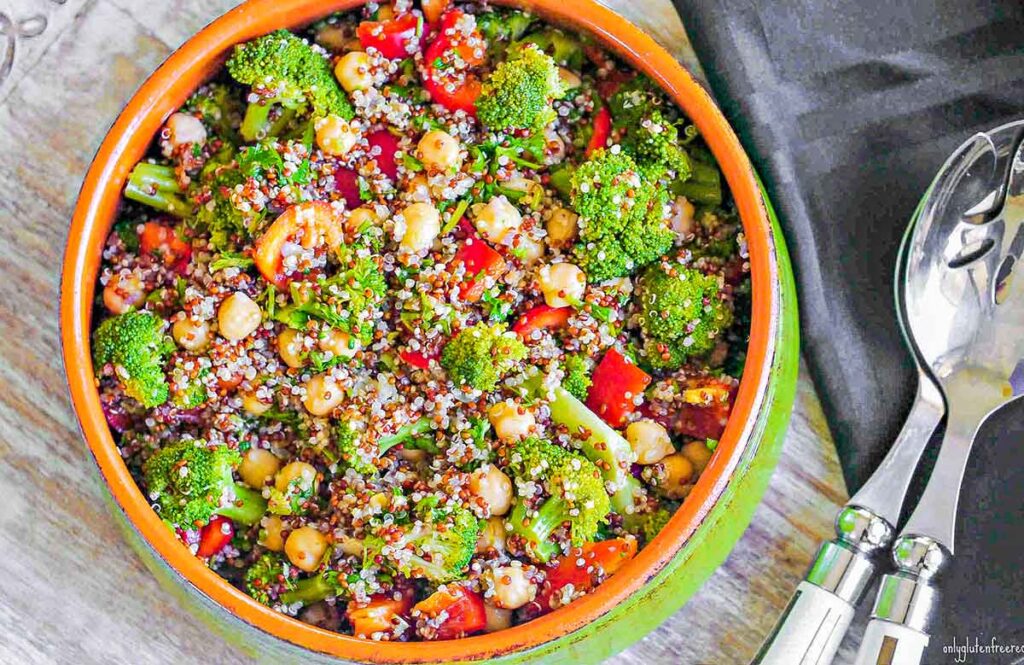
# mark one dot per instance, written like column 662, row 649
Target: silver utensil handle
column 810, row 629
column 813, row 625
column 888, row 643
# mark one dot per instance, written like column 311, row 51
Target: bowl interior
column 128, row 141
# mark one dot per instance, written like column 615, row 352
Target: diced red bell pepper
column 480, row 259
column 600, row 561
column 346, row 183
column 396, row 38
column 160, row 241
column 602, row 129
column 379, row 613
column 449, row 85
column 616, row 383
column 699, row 418
column 419, row 359
column 215, row 536
column 541, row 317
column 386, row 161
column 464, row 610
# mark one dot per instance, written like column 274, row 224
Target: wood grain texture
column 72, row 591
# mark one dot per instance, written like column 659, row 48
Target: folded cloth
column 848, row 108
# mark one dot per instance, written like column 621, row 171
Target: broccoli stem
column 249, row 506
column 604, row 446
column 699, row 192
column 537, row 529
column 404, row 434
column 561, row 181
column 256, row 123
column 310, row 590
column 157, row 186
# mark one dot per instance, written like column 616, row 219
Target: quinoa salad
column 420, row 321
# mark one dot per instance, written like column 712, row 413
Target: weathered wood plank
column 73, row 591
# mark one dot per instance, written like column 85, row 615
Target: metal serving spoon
column 965, row 313
column 812, row 627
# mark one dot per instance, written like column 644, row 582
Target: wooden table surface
column 71, row 590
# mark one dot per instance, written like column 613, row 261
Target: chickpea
column 439, row 151
column 698, row 454
column 322, row 395
column 350, row 546
column 511, row 422
column 570, row 79
column 339, row 343
column 190, row 334
column 492, row 536
column 353, row 71
column 238, row 316
column 305, row 548
column 122, row 293
column 300, row 474
column 498, row 618
column 289, row 347
column 681, row 220
column 360, row 217
column 335, row 135
column 562, row 284
column 419, row 189
column 512, row 587
column 650, row 441
column 385, row 13
column 676, row 481
column 270, row 535
column 422, row 224
column 529, row 250
column 495, row 488
column 413, row 455
column 184, row 128
column 253, row 405
column 498, row 220
column 562, row 227
column 258, row 466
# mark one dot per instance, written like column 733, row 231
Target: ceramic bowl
column 631, row 603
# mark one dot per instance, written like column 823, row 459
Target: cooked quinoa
column 418, row 326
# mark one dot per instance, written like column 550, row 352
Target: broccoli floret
column 577, row 376
column 655, row 142
column 563, row 48
column 190, row 395
column 519, row 93
column 481, row 355
column 438, row 545
column 611, row 453
column 135, row 344
column 219, row 216
column 191, row 482
column 271, row 578
column 284, row 70
column 682, row 313
column 576, row 495
column 157, row 186
column 351, row 454
column 649, row 524
column 650, row 136
column 622, row 217
column 219, row 107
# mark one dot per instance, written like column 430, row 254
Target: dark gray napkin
column 848, row 108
